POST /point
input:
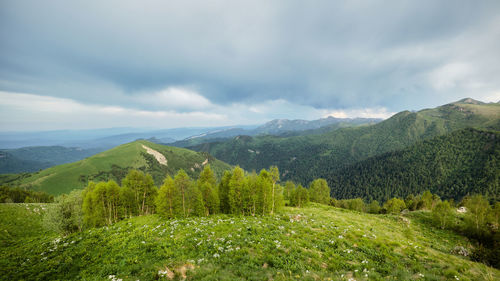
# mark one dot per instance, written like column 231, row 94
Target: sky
column 165, row 64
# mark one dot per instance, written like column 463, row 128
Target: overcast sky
column 97, row 64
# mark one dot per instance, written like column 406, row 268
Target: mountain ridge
column 114, row 164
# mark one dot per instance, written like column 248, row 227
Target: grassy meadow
column 313, row 243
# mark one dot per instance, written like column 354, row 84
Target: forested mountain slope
column 303, row 158
column 453, row 165
column 114, row 164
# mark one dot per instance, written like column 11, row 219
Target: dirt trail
column 159, row 157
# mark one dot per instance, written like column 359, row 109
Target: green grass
column 313, row 243
column 114, row 164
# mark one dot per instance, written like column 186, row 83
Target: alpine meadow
column 250, row 140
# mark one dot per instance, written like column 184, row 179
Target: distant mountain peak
column 469, row 101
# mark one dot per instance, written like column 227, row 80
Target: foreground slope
column 303, row 158
column 114, row 164
column 452, row 166
column 312, row 243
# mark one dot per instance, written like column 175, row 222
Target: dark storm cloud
column 326, row 54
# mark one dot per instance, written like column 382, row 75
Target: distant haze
column 169, row 64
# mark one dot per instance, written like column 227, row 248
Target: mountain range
column 77, row 145
column 452, row 150
column 304, row 158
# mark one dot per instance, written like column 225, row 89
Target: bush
column 442, row 214
column 67, row 216
column 394, row 206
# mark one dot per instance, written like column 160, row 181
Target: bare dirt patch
column 157, row 155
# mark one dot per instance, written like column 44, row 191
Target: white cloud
column 380, row 112
column 175, row 98
column 19, row 111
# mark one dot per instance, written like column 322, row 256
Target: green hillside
column 452, row 166
column 114, row 164
column 303, row 158
column 313, row 243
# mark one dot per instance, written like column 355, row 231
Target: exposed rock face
column 157, row 155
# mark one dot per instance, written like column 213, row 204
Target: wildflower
column 456, row 278
column 143, row 242
column 341, row 237
column 216, row 255
column 364, row 261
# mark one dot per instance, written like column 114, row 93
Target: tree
column 356, row 204
column 319, row 191
column 113, row 196
column 142, row 185
column 195, row 206
column 66, row 216
column 442, row 214
column 208, row 187
column 300, row 197
column 165, row 201
column 427, row 200
column 478, row 208
column 394, row 205
column 289, row 188
column 494, row 216
column 373, row 207
column 275, row 177
column 182, row 183
column 264, row 192
column 236, row 185
column 224, row 192
column 127, row 202
column 250, row 194
column 279, row 201
column 88, row 205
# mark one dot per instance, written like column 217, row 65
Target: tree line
column 237, row 193
column 19, row 195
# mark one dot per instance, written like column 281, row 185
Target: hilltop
column 313, row 243
column 114, row 164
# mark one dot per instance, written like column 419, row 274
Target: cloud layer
column 212, row 57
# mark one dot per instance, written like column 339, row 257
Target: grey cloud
column 327, row 54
